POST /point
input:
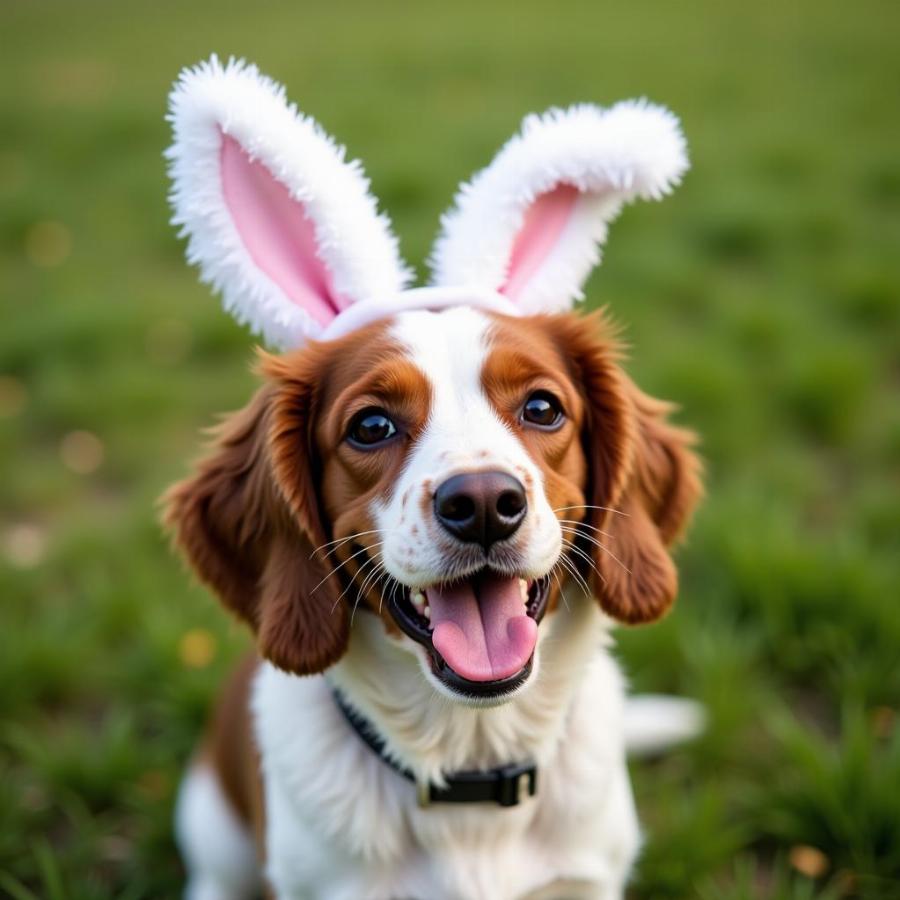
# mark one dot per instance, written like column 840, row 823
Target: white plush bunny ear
column 531, row 224
column 278, row 222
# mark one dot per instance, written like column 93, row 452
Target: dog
column 431, row 514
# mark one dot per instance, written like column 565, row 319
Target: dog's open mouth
column 481, row 630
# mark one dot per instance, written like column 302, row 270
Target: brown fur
column 256, row 518
column 231, row 749
column 248, row 536
column 644, row 484
column 617, row 454
column 364, row 369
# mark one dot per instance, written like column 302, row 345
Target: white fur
column 432, row 299
column 354, row 242
column 217, row 849
column 343, row 826
column 654, row 722
column 463, row 433
column 633, row 149
column 340, row 824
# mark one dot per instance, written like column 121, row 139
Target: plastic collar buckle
column 515, row 783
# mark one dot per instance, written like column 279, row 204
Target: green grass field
column 764, row 297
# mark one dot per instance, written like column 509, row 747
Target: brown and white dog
column 430, row 514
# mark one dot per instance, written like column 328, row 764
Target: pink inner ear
column 277, row 233
column 544, row 222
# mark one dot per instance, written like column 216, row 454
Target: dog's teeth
column 523, row 588
column 427, row 612
column 418, row 600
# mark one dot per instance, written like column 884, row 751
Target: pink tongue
column 485, row 637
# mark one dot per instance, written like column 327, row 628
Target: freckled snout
column 481, row 507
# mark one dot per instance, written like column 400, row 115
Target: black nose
column 481, row 507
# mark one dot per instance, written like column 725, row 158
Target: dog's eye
column 542, row 409
column 369, row 427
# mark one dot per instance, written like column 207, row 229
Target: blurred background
column 763, row 297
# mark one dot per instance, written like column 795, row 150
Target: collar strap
column 506, row 785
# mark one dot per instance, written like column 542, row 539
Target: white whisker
column 344, row 563
column 585, row 525
column 603, row 548
column 569, row 566
column 394, row 587
column 586, row 558
column 562, row 592
column 615, row 558
column 341, row 541
column 581, row 553
column 617, row 512
column 580, row 534
column 378, row 568
column 352, row 582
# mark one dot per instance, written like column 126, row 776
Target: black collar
column 505, row 785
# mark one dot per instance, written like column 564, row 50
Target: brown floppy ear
column 249, row 537
column 643, row 477
column 638, row 580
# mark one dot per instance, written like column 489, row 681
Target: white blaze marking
column 463, row 433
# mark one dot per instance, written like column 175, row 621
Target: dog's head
column 447, row 461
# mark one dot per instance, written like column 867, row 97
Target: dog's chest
column 341, row 824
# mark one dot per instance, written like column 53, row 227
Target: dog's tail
column 655, row 722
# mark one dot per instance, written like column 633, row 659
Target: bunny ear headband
column 285, row 229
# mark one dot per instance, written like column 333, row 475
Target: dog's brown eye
column 369, row 427
column 542, row 409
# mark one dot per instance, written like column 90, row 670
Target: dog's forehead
column 454, row 349
column 465, row 352
column 448, row 346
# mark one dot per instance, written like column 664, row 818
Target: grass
column 764, row 297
